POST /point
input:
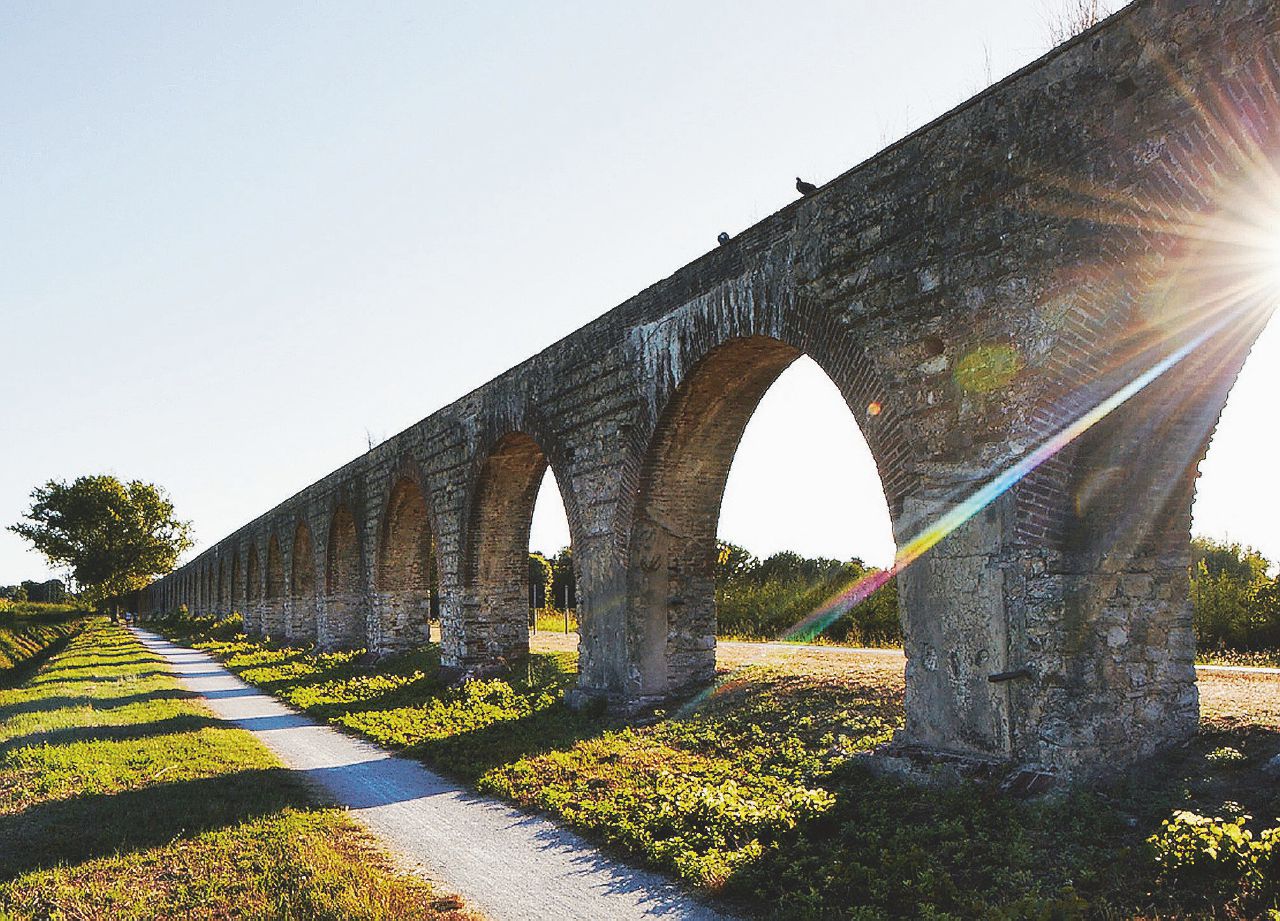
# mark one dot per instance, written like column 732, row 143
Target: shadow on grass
column 87, row 827
column 62, row 701
column 468, row 755
column 107, row 662
column 20, row 673
column 57, row 677
column 913, row 851
column 187, row 722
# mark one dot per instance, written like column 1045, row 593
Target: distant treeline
column 763, row 599
column 1235, row 602
column 53, row 591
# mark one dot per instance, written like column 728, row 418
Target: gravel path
column 507, row 864
column 739, row 652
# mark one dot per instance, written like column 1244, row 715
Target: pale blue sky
column 239, row 236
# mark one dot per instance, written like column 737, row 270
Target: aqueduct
column 1035, row 307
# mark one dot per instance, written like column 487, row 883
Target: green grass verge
column 25, row 639
column 121, row 797
column 754, row 792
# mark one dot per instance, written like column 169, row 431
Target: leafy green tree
column 539, row 580
column 113, row 536
column 733, row 562
column 50, row 592
column 1235, row 603
column 1242, row 564
column 564, row 585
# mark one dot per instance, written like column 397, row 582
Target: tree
column 564, row 586
column 50, row 592
column 732, row 562
column 1236, row 604
column 539, row 580
column 113, row 536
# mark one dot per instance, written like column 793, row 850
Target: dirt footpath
column 1238, row 695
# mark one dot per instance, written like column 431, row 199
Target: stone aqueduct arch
column 1031, row 303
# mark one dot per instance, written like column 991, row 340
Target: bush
column 763, row 599
column 1216, row 861
column 1236, row 604
column 211, row 626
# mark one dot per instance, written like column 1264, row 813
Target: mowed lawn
column 755, row 791
column 121, row 797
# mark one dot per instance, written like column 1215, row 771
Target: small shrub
column 1215, row 860
column 1225, row 755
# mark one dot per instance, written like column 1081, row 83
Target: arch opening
column 553, row 587
column 408, row 584
column 673, row 554
column 344, row 609
column 496, row 573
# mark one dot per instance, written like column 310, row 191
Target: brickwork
column 344, row 603
column 406, row 570
column 974, row 291
column 302, row 620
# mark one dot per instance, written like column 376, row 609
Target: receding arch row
column 1032, row 222
column 298, row 589
column 678, row 465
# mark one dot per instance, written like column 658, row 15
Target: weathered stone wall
column 973, row 291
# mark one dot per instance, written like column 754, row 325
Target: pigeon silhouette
column 723, row 238
column 805, row 188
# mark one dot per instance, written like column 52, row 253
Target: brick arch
column 344, row 604
column 407, row 572
column 671, row 554
column 302, row 585
column 495, row 564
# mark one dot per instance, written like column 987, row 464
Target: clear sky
column 239, row 239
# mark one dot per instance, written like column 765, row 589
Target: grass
column 1267, row 658
column 549, row 620
column 23, row 640
column 36, row 608
column 755, row 792
column 121, row 797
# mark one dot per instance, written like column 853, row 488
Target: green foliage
column 1236, row 604
column 114, row 536
column 564, row 584
column 1216, row 861
column 539, row 580
column 763, row 599
column 37, row 609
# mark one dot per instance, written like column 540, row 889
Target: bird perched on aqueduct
column 805, row 188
